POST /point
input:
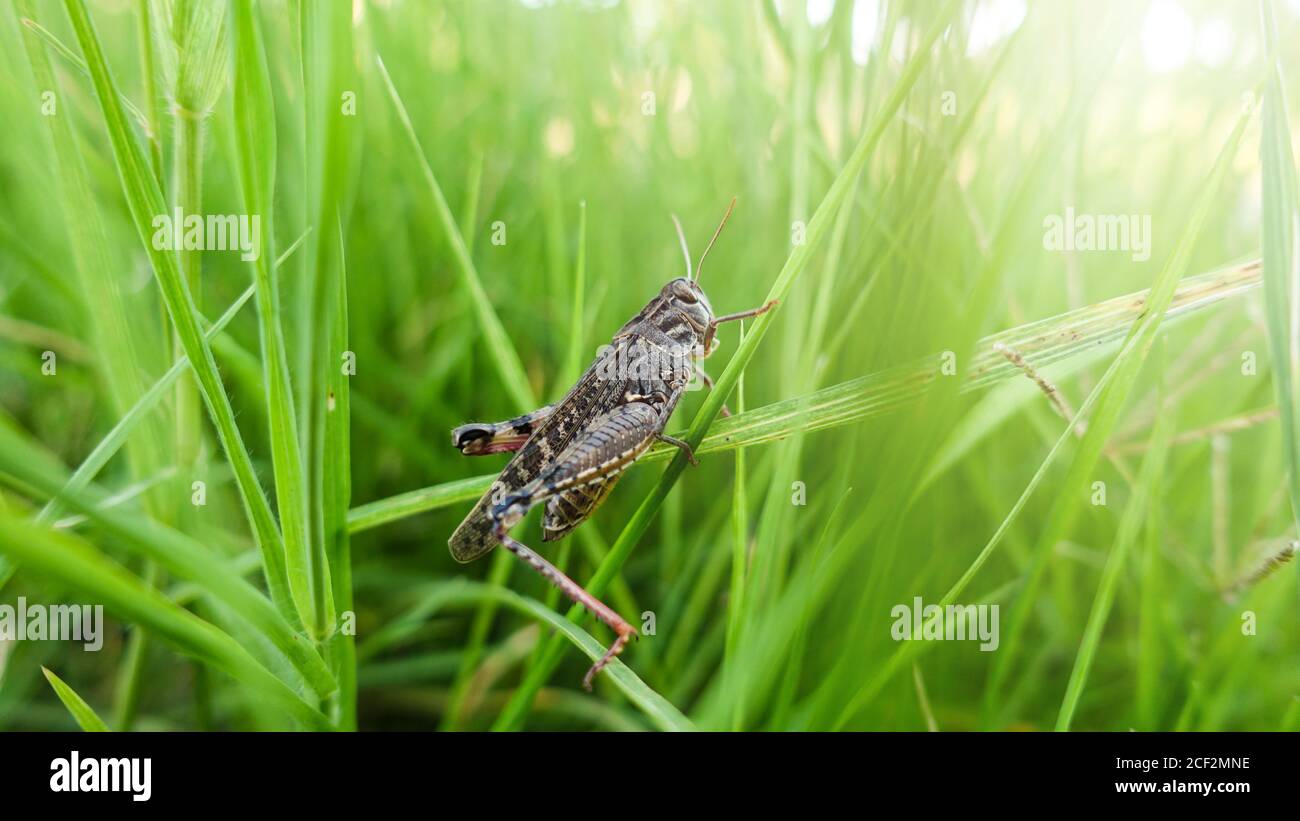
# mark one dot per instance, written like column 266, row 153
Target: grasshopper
column 571, row 454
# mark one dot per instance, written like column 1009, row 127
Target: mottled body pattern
column 570, row 455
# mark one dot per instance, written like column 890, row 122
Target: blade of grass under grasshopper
column 254, row 126
column 1076, row 336
column 86, row 718
column 72, row 562
column 1108, row 397
column 513, row 715
column 1279, row 217
column 145, row 201
column 1130, row 526
column 178, row 553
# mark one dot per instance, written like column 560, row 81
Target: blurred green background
column 562, row 136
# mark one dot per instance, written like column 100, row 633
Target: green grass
column 463, row 204
column 85, row 717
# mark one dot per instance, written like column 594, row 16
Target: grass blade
column 1280, row 220
column 327, row 73
column 338, row 495
column 255, row 138
column 1135, row 513
column 504, row 356
column 85, row 717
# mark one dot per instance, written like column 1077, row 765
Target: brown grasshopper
column 571, row 454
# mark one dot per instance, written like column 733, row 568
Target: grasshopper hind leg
column 483, row 438
column 572, row 487
column 576, row 593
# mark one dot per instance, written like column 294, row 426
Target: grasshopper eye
column 683, row 291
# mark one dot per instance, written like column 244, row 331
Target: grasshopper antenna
column 681, row 237
column 700, row 266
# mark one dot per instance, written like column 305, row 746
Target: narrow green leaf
column 73, row 59
column 338, row 495
column 328, row 71
column 255, row 139
column 504, row 356
column 1135, row 515
column 85, row 717
column 1280, row 224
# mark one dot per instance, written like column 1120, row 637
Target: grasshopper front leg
column 602, row 451
column 713, row 326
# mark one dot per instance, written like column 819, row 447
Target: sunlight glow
column 819, row 11
column 992, row 21
column 866, row 21
column 1214, row 42
column 1166, row 36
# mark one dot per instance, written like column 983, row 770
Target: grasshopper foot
column 684, row 446
column 625, row 632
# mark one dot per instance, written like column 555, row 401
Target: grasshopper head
column 688, row 298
